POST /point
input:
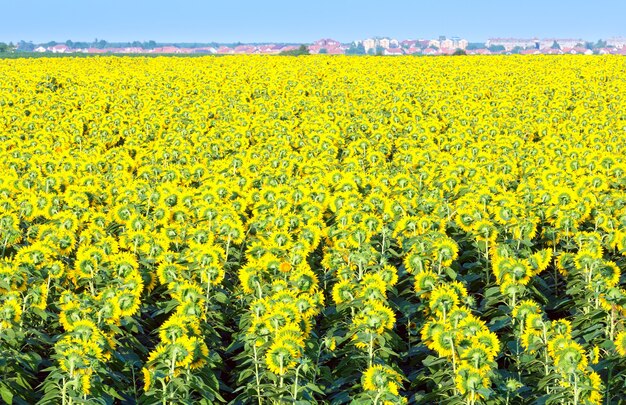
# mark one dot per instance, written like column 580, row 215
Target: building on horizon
column 511, row 43
column 617, row 42
column 533, row 43
column 376, row 43
column 453, row 43
column 562, row 42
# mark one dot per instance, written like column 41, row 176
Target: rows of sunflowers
column 271, row 230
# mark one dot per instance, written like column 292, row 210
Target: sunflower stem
column 256, row 373
column 164, row 400
column 371, row 350
column 546, row 370
column 576, row 392
column 281, row 372
column 208, row 295
column 295, row 384
column 63, row 392
column 378, row 394
column 453, row 362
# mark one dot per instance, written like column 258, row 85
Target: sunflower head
column 281, row 357
column 381, row 379
column 570, row 358
column 620, row 343
column 562, row 327
column 344, row 291
column 524, row 308
column 470, row 381
column 425, row 282
column 488, row 340
column 444, row 342
column 443, row 299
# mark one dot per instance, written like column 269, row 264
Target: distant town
column 370, row 46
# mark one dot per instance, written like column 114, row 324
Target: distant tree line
column 4, row 47
column 356, row 48
column 302, row 50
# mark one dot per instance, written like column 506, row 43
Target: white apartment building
column 449, row 43
column 617, row 42
column 510, row 43
column 563, row 43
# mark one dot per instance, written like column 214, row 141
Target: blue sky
column 306, row 21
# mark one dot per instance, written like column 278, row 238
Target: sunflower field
column 281, row 230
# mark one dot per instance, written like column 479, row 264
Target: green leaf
column 220, row 297
column 451, row 273
column 6, row 394
column 314, row 388
column 109, row 390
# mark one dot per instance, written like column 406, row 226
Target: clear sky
column 306, row 21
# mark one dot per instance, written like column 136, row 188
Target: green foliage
column 356, row 49
column 496, row 48
column 301, row 51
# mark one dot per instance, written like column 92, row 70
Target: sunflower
column 479, row 356
column 304, row 279
column 470, row 326
column 389, row 275
column 344, row 291
column 471, row 382
column 594, row 393
column 586, row 259
column 540, row 260
column 10, row 311
column 281, row 357
column 524, row 308
column 36, row 254
column 489, row 341
column 291, row 334
column 147, row 378
column 609, row 272
column 177, row 326
column 425, row 282
column 562, row 327
column 129, row 302
column 379, row 316
column 531, row 340
column 443, row 342
column 381, row 379
column 519, row 271
column 56, row 269
column 416, row 262
column 512, row 288
column 85, row 267
column 250, row 278
column 443, row 299
column 458, row 314
column 259, row 332
column 70, row 313
column 465, row 219
column 183, row 351
column 565, row 263
column 110, row 310
column 445, row 251
column 373, row 287
column 570, row 358
column 620, row 343
column 123, row 263
column 307, row 306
